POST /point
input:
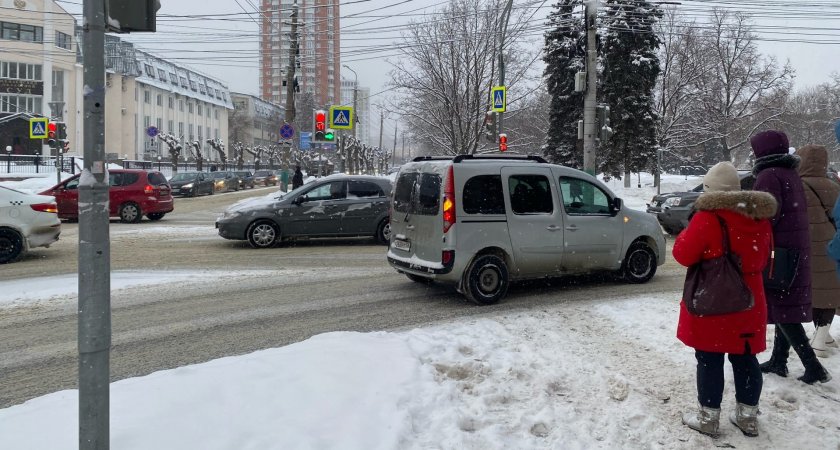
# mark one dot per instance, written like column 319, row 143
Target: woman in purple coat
column 775, row 173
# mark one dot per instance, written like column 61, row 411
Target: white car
column 26, row 221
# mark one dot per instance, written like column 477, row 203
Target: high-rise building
column 318, row 62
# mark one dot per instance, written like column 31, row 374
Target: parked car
column 266, row 178
column 224, row 181
column 27, row 221
column 133, row 194
column 190, row 184
column 673, row 209
column 246, row 179
column 334, row 206
column 481, row 222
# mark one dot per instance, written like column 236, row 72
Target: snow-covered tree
column 630, row 70
column 564, row 55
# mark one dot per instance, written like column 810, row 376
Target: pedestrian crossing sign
column 498, row 99
column 341, row 117
column 38, row 127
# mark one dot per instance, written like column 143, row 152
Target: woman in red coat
column 741, row 334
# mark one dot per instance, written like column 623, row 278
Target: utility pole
column 403, row 147
column 396, row 125
column 505, row 19
column 94, row 326
column 590, row 101
column 290, row 73
column 382, row 124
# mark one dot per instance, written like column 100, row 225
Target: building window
column 209, row 91
column 58, row 85
column 147, row 121
column 170, row 126
column 216, row 113
column 200, row 110
column 20, row 71
column 173, row 78
column 181, row 105
column 159, row 123
column 150, row 71
column 171, row 102
column 147, row 96
column 63, row 40
column 193, row 85
column 20, row 103
column 18, row 32
column 208, row 131
column 202, row 89
column 180, row 128
column 184, row 82
column 159, row 100
column 192, row 136
column 162, row 75
column 216, row 133
column 190, row 107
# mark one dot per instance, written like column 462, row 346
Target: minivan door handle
column 409, row 227
column 552, row 228
column 572, row 227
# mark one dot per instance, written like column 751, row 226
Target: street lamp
column 159, row 158
column 8, row 159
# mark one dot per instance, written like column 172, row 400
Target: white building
column 254, row 122
column 362, row 110
column 152, row 94
column 39, row 72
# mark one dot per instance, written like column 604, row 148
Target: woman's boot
column 818, row 342
column 778, row 359
column 745, row 417
column 814, row 371
column 705, row 420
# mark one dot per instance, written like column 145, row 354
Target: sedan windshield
column 183, row 177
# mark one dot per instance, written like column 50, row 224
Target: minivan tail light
column 149, row 189
column 449, row 200
column 45, row 207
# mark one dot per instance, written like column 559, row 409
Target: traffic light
column 60, row 130
column 51, row 134
column 490, row 126
column 131, row 15
column 320, row 125
column 65, row 145
column 502, row 142
column 329, row 135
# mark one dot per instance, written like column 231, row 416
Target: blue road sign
column 287, row 131
column 152, row 131
column 341, row 117
column 305, row 140
column 38, row 127
column 498, row 96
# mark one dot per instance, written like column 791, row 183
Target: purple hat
column 769, row 142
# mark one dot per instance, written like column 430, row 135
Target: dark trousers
column 823, row 317
column 748, row 378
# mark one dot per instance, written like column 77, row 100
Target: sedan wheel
column 11, row 245
column 263, row 234
column 383, row 232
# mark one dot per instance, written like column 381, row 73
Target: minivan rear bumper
column 418, row 267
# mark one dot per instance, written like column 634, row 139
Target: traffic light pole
column 505, row 19
column 290, row 75
column 94, row 329
column 590, row 101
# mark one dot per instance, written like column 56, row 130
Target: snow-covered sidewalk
column 605, row 373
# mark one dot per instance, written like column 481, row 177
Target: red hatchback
column 133, row 194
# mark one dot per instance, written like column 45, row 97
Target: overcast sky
column 227, row 47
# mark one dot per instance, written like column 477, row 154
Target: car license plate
column 400, row 244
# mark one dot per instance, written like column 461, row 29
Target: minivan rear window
column 156, row 178
column 418, row 193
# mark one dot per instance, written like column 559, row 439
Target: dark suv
column 673, row 209
column 133, row 193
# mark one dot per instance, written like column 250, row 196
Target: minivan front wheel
column 130, row 213
column 639, row 265
column 486, row 280
column 263, row 234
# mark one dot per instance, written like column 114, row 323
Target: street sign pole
column 94, row 329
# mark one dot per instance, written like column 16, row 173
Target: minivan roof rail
column 460, row 158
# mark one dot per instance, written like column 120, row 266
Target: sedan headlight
column 187, row 186
column 230, row 214
column 672, row 201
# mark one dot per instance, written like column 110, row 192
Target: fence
column 36, row 164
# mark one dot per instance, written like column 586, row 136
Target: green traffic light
column 328, row 136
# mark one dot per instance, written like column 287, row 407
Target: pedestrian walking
column 741, row 334
column 821, row 194
column 788, row 282
column 297, row 178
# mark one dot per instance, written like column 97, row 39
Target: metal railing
column 24, row 164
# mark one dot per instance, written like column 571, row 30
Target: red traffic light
column 320, row 120
column 503, row 145
column 51, row 133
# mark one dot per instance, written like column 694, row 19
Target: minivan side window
column 417, row 193
column 530, row 194
column 483, row 195
column 581, row 197
column 364, row 189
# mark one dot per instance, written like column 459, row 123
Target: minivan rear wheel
column 130, row 213
column 639, row 265
column 263, row 234
column 486, row 280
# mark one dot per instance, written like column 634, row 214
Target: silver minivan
column 480, row 222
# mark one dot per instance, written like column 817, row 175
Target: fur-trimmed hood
column 753, row 204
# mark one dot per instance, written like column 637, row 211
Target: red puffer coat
column 745, row 214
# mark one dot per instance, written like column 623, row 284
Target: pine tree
column 630, row 68
column 564, row 55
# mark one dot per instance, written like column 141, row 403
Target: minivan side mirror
column 616, row 205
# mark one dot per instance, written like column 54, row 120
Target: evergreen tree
column 564, row 55
column 630, row 68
